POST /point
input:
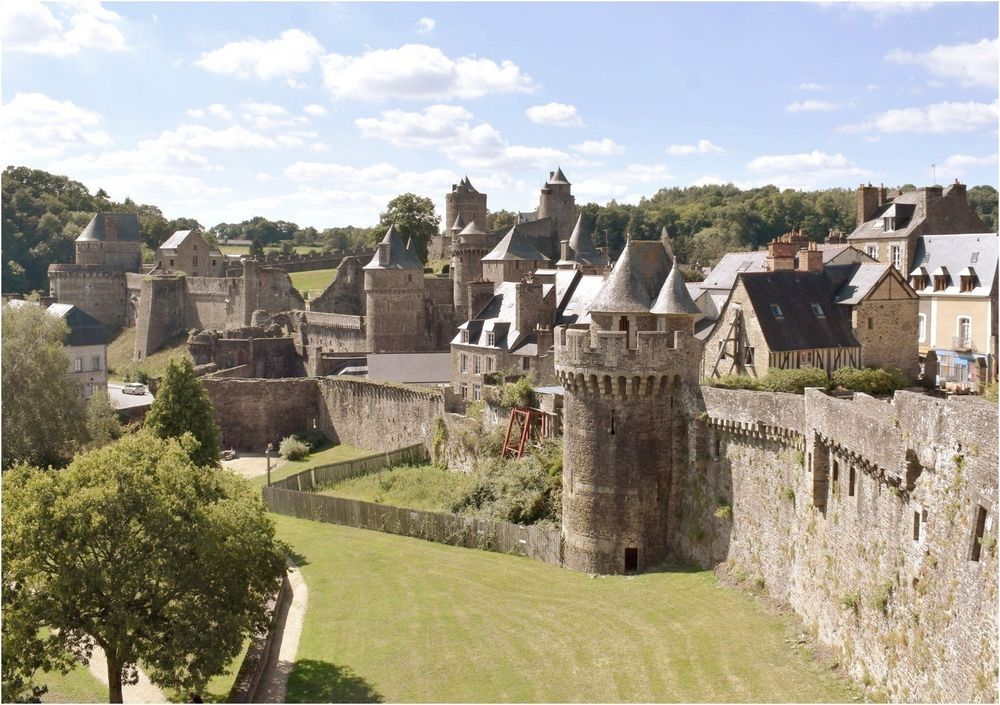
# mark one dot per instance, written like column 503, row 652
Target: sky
column 320, row 113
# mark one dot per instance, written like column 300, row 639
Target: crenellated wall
column 861, row 514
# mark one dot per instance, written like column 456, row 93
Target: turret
column 464, row 202
column 557, row 203
column 625, row 377
column 467, row 250
column 394, row 298
column 579, row 252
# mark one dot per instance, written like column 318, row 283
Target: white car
column 134, row 388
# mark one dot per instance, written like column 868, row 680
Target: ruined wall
column 252, row 413
column 269, row 289
column 96, row 289
column 214, row 303
column 345, row 294
column 861, row 514
column 161, row 313
column 332, row 332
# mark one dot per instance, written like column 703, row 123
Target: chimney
column 868, row 203
column 781, row 253
column 528, row 306
column 883, row 195
column 835, row 237
column 479, row 294
column 957, row 189
column 564, row 250
column 383, row 253
column 811, row 259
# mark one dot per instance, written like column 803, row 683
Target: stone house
column 888, row 227
column 955, row 277
column 512, row 258
column 186, row 251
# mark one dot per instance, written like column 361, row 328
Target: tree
column 43, row 418
column 256, row 250
column 103, row 425
column 135, row 549
column 182, row 406
column 414, row 218
column 499, row 219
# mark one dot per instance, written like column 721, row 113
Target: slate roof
column 574, row 304
column 636, row 279
column 723, row 275
column 459, row 223
column 949, row 213
column 955, row 252
column 472, row 229
column 674, row 297
column 84, row 329
column 798, row 327
column 582, row 248
column 863, row 278
column 465, row 185
column 410, row 368
column 104, row 227
column 175, row 240
column 558, row 178
column 398, row 257
column 515, row 246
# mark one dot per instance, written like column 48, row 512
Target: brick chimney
column 836, row 237
column 811, row 259
column 564, row 250
column 529, row 306
column 957, row 189
column 781, row 252
column 869, row 200
column 480, row 292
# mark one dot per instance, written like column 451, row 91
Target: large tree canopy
column 182, row 406
column 136, row 549
column 414, row 218
column 44, row 416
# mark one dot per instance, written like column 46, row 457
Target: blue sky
column 320, row 113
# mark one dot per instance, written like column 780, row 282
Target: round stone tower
column 464, row 200
column 557, row 203
column 467, row 251
column 625, row 376
column 394, row 298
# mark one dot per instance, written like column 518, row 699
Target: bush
column 792, row 381
column 292, row 448
column 314, row 438
column 520, row 393
column 870, row 380
column 990, row 392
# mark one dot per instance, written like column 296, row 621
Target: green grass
column 335, row 454
column 396, row 619
column 426, row 487
column 245, row 249
column 313, row 282
column 77, row 686
column 234, row 249
column 120, row 355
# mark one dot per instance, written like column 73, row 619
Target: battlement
column 603, row 362
column 334, row 320
column 87, row 270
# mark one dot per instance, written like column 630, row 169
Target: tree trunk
column 114, row 679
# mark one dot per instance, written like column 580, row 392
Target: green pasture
column 398, row 619
column 426, row 487
column 313, row 282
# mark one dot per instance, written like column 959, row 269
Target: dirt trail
column 143, row 692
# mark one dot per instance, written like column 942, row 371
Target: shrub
column 792, row 381
column 870, row 380
column 990, row 392
column 292, row 448
column 850, row 601
column 737, row 382
column 313, row 437
column 519, row 393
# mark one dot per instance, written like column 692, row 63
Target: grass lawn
column 397, row 619
column 245, row 249
column 321, row 457
column 120, row 355
column 425, row 487
column 313, row 282
column 77, row 686
column 234, row 249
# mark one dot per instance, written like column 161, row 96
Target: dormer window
column 465, row 336
column 967, row 280
column 817, row 309
column 941, row 279
column 888, row 224
column 919, row 278
column 776, row 311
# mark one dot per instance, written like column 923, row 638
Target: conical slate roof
column 635, row 281
column 582, row 248
column 411, row 247
column 559, row 177
column 459, row 223
column 397, row 257
column 674, row 297
column 472, row 229
column 111, row 226
column 515, row 246
column 468, row 184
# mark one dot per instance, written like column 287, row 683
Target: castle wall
column 861, row 515
column 96, row 289
column 333, row 332
column 251, row 413
column 212, row 303
column 161, row 313
column 345, row 294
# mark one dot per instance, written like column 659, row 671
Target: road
column 127, row 401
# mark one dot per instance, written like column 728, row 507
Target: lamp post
column 267, row 454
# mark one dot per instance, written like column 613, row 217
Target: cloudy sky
column 320, row 113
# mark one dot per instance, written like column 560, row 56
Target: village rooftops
column 391, row 253
column 104, row 227
column 929, row 210
column 515, row 246
column 636, row 279
column 953, row 254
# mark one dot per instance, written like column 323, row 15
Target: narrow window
column 213, row 262
column 489, row 364
column 896, row 255
column 631, row 560
column 776, row 311
column 465, row 390
column 836, row 471
column 171, row 263
column 476, row 365
column 194, row 261
column 978, row 531
column 477, row 392
column 871, row 323
column 612, row 422
column 95, row 362
column 922, row 318
column 465, row 336
column 916, row 526
column 463, row 362
column 525, row 363
column 78, row 364
column 850, row 482
column 623, row 324
column 964, row 332
column 818, row 310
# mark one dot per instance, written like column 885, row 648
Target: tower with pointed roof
column 395, row 319
column 557, row 203
column 627, row 376
column 579, row 252
column 467, row 250
column 464, row 202
column 512, row 258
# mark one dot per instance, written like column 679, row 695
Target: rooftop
column 394, row 255
column 109, row 227
column 636, row 279
column 515, row 246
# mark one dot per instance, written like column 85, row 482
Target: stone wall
column 252, row 413
column 161, row 313
column 892, row 339
column 861, row 514
column 94, row 288
column 345, row 294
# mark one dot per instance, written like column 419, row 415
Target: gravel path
column 143, row 692
column 251, row 465
column 274, row 682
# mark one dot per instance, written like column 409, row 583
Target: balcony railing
column 963, row 342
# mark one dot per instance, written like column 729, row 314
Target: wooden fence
column 293, row 497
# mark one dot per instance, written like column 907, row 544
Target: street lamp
column 267, row 454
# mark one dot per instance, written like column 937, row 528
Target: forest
column 43, row 214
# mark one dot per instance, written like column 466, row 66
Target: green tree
column 498, row 219
column 43, row 418
column 256, row 250
column 182, row 406
column 135, row 549
column 414, row 218
column 103, row 425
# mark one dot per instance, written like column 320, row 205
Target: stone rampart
column 161, row 313
column 97, row 289
column 863, row 515
column 252, row 413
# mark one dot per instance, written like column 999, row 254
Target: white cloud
column 59, row 29
column 884, row 10
column 959, row 164
column 419, row 72
column 220, row 111
column 293, row 52
column 813, row 87
column 936, row 118
column 806, row 169
column 267, row 109
column 36, row 126
column 556, row 114
column 806, row 106
column 451, row 130
column 973, row 64
column 599, row 148
column 703, row 147
column 315, row 110
column 195, row 113
column 621, row 184
column 425, row 25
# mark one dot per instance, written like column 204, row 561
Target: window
column 978, row 530
column 623, row 324
column 850, row 482
column 525, row 363
column 491, row 339
column 78, row 364
column 964, row 331
column 922, row 319
column 194, row 261
column 477, row 392
column 871, row 323
column 916, row 526
column 896, row 255
column 888, row 224
column 464, row 389
column 489, row 364
column 476, row 364
column 776, row 311
column 872, row 251
column 817, row 309
column 918, row 281
column 974, row 258
column 940, row 282
column 213, row 262
column 463, row 363
column 967, row 280
column 465, row 336
column 171, row 263
column 749, row 357
column 95, row 362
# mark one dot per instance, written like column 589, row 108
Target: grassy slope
column 120, row 355
column 321, row 457
column 401, row 620
column 77, row 686
column 417, row 487
column 313, row 281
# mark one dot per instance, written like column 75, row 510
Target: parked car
column 134, row 388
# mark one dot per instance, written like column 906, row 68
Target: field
column 426, row 487
column 245, row 249
column 396, row 619
column 120, row 355
column 312, row 283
